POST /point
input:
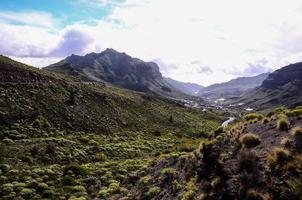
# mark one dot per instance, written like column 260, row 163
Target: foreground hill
column 234, row 88
column 62, row 139
column 118, row 69
column 259, row 158
column 187, row 88
column 282, row 87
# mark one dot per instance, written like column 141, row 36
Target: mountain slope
column 62, row 139
column 253, row 160
column 233, row 88
column 282, row 87
column 188, row 88
column 118, row 69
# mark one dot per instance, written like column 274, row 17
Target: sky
column 200, row 41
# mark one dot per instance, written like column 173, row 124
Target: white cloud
column 33, row 18
column 204, row 41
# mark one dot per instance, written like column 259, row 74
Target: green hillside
column 62, row 139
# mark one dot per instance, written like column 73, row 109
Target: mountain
column 233, row 88
column 65, row 139
column 281, row 88
column 188, row 88
column 118, row 69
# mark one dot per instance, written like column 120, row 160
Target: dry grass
column 247, row 161
column 250, row 140
column 279, row 156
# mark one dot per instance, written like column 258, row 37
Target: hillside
column 281, row 88
column 187, row 88
column 118, row 69
column 259, row 158
column 234, row 88
column 62, row 139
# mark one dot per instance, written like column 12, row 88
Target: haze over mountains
column 234, row 88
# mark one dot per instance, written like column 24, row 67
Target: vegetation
column 253, row 116
column 61, row 139
column 283, row 124
column 278, row 157
column 249, row 140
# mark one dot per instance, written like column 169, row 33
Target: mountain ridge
column 233, row 88
column 118, row 69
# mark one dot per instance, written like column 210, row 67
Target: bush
column 168, row 171
column 254, row 195
column 218, row 130
column 286, row 142
column 76, row 169
column 278, row 157
column 250, row 140
column 265, row 120
column 253, row 116
column 168, row 174
column 247, row 161
column 100, row 157
column 283, row 124
column 189, row 195
column 297, row 132
column 294, row 113
column 153, row 191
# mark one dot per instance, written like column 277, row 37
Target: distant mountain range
column 234, row 88
column 188, row 88
column 118, row 69
column 282, row 87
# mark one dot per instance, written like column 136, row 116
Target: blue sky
column 201, row 41
column 67, row 10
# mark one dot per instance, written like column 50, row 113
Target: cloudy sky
column 202, row 41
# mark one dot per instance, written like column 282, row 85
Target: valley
column 71, row 131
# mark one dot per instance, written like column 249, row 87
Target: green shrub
column 168, row 171
column 68, row 181
column 144, row 180
column 153, row 191
column 100, row 157
column 27, row 193
column 188, row 195
column 278, row 157
column 253, row 116
column 294, row 113
column 249, row 140
column 76, row 169
column 283, row 124
column 8, row 141
column 78, row 188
